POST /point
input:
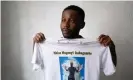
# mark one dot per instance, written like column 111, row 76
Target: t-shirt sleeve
column 107, row 65
column 37, row 60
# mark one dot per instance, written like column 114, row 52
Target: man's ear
column 82, row 25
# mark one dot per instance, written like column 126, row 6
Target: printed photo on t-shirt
column 72, row 68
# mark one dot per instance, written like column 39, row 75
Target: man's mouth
column 66, row 31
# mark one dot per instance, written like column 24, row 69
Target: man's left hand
column 104, row 40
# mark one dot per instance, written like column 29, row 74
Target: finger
column 38, row 36
column 103, row 42
column 102, row 35
column 102, row 39
column 37, row 40
column 108, row 42
column 105, row 39
column 42, row 36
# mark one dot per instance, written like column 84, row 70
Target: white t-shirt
column 72, row 59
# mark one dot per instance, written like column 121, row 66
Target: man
column 72, row 22
column 72, row 71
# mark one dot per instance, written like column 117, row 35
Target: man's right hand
column 38, row 38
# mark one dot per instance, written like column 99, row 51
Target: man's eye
column 72, row 21
column 63, row 20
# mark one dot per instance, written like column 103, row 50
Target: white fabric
column 93, row 57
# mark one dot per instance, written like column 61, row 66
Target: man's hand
column 105, row 40
column 80, row 67
column 39, row 37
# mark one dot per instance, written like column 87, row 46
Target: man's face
column 71, row 64
column 70, row 23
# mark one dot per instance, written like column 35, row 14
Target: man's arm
column 113, row 53
column 66, row 68
column 79, row 68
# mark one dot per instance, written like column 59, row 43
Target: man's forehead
column 70, row 13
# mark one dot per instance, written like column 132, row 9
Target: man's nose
column 66, row 24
